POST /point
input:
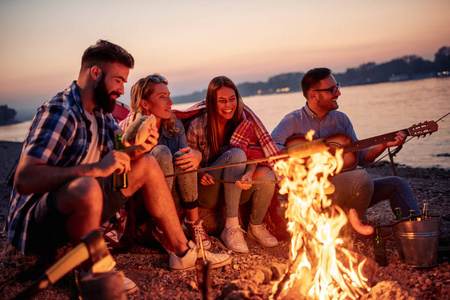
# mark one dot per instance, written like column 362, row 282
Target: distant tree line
column 7, row 115
column 405, row 68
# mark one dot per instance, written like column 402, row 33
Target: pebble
column 193, row 285
column 258, row 277
column 423, row 278
column 267, row 274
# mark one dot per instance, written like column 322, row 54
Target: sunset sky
column 190, row 42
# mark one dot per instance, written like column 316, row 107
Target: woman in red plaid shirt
column 226, row 132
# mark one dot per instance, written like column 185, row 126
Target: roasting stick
column 329, row 190
column 231, row 165
column 300, row 151
column 249, row 182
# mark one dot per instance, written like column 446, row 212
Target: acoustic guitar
column 339, row 140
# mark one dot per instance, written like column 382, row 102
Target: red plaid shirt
column 250, row 135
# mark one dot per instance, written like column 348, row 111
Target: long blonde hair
column 211, row 112
column 143, row 89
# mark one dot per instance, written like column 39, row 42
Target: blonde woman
column 151, row 95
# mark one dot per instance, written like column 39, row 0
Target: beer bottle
column 379, row 248
column 398, row 213
column 411, row 215
column 425, row 210
column 120, row 180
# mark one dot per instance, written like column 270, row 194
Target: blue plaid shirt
column 59, row 135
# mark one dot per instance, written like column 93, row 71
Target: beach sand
column 148, row 267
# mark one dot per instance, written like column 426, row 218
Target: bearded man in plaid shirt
column 63, row 187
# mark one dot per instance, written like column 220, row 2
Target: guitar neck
column 376, row 140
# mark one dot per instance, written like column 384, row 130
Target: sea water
column 378, row 109
column 374, row 109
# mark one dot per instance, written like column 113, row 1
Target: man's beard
column 103, row 98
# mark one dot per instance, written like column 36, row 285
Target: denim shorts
column 113, row 199
column 46, row 228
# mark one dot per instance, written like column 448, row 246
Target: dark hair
column 106, row 52
column 211, row 112
column 312, row 78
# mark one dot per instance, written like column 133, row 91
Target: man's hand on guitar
column 375, row 151
column 399, row 140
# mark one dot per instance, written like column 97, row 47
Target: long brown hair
column 211, row 112
column 142, row 89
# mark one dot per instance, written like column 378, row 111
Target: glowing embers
column 320, row 265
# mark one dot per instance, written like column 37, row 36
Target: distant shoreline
column 199, row 95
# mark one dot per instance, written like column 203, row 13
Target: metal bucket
column 417, row 242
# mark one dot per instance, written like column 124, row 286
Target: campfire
column 320, row 265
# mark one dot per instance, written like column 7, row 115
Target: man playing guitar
column 354, row 188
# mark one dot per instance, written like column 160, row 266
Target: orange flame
column 320, row 266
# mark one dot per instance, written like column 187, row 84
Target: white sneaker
column 129, row 286
column 233, row 238
column 260, row 234
column 187, row 262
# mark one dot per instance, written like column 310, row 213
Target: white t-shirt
column 94, row 153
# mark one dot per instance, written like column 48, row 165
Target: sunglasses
column 333, row 90
column 156, row 79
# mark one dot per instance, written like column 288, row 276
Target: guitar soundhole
column 334, row 144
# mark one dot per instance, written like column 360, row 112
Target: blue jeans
column 397, row 191
column 186, row 185
column 356, row 189
column 215, row 195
